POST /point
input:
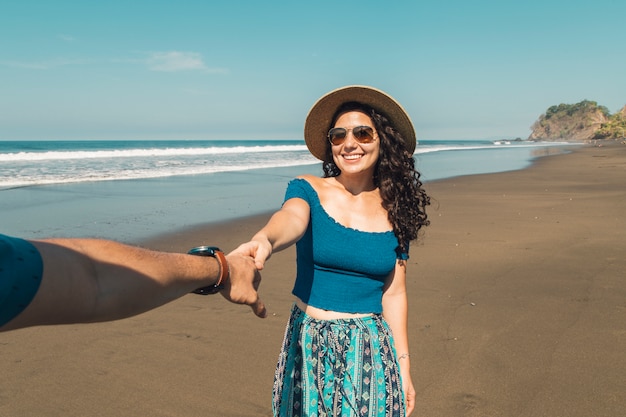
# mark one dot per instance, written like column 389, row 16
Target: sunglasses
column 362, row 134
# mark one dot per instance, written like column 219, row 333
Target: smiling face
column 353, row 157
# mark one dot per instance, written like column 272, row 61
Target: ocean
column 131, row 190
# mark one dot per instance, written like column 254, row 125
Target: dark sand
column 517, row 308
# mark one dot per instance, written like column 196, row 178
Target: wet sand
column 517, row 308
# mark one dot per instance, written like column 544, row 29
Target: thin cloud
column 43, row 65
column 25, row 65
column 174, row 61
column 171, row 61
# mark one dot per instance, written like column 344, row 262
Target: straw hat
column 319, row 119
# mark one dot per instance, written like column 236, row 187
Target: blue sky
column 252, row 69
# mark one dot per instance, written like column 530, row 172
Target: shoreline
column 200, row 230
column 136, row 209
column 516, row 308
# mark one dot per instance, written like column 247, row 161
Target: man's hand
column 243, row 283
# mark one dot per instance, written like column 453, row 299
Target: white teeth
column 352, row 156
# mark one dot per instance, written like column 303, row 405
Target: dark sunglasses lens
column 363, row 133
column 337, row 135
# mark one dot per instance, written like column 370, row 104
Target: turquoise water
column 57, row 162
column 135, row 189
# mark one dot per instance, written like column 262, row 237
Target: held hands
column 259, row 249
column 242, row 286
column 245, row 262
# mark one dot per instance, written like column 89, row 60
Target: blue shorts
column 21, row 269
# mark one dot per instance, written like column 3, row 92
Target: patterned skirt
column 344, row 367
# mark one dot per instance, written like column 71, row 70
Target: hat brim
column 319, row 119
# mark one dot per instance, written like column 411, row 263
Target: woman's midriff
column 319, row 314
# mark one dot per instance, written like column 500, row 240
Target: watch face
column 206, row 251
column 203, row 251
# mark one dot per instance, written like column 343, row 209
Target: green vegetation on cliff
column 570, row 110
column 581, row 121
column 614, row 128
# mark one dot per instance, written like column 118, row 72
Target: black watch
column 216, row 253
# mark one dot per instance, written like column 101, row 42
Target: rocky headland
column 582, row 121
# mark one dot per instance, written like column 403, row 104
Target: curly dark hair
column 395, row 175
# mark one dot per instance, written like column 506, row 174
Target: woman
column 345, row 350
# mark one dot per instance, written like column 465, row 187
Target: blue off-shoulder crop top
column 340, row 268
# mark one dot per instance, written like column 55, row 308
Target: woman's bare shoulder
column 316, row 182
column 309, row 177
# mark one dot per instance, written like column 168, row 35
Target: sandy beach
column 517, row 297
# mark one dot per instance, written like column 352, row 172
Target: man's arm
column 87, row 280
